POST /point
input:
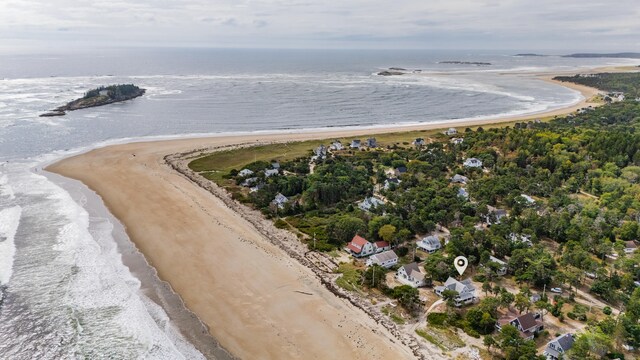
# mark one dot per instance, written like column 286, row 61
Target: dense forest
column 628, row 83
column 571, row 187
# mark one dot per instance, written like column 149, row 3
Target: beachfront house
column 558, row 346
column 371, row 142
column 520, row 239
column 391, row 182
column 271, row 172
column 451, row 132
column 385, row 259
column 459, row 179
column 630, row 247
column 275, row 165
column 370, row 203
column 473, row 163
column 501, row 268
column 250, row 182
column 280, row 200
column 360, row 247
column 256, row 188
column 355, row 144
column 381, row 246
column 528, row 324
column 411, row 275
column 245, row 173
column 457, row 141
column 462, row 192
column 430, row 244
column 419, row 142
column 465, row 289
column 400, row 170
column 320, row 152
column 336, row 146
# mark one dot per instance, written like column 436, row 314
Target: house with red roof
column 360, row 247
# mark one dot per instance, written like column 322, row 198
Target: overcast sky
column 441, row 24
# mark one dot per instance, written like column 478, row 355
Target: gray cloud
column 491, row 24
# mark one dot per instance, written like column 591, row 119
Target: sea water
column 71, row 284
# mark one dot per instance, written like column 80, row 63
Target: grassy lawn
column 350, row 277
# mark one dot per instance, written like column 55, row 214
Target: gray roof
column 459, row 286
column 414, row 270
column 385, row 256
column 496, row 260
column 565, row 341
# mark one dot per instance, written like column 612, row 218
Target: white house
column 528, row 199
column 321, row 152
column 271, row 172
column 370, row 203
column 385, row 259
column 451, row 131
column 520, row 238
column 411, row 275
column 457, row 141
column 360, row 247
column 245, row 172
column 419, row 142
column 558, row 346
column 460, row 179
column 280, row 200
column 462, row 192
column 381, row 246
column 249, row 182
column 502, row 270
column 495, row 215
column 429, row 244
column 528, row 324
column 355, row 144
column 275, row 165
column 371, row 142
column 336, row 145
column 630, row 247
column 473, row 163
column 466, row 290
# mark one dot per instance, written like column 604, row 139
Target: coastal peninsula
column 99, row 97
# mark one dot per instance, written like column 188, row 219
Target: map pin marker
column 461, row 264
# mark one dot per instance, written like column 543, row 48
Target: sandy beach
column 258, row 302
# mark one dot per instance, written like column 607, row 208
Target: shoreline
column 149, row 160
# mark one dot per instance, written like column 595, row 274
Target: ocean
column 72, row 285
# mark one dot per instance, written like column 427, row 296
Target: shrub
column 607, row 310
column 437, row 319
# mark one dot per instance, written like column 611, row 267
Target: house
column 256, row 188
column 355, row 144
column 495, row 215
column 502, row 270
column 630, row 247
column 411, row 275
column 528, row 199
column 371, row 142
column 271, row 172
column 419, row 142
column 385, row 259
column 391, row 181
column 360, row 247
column 473, row 163
column 466, row 290
column 457, row 141
column 249, row 182
column 429, row 244
column 400, row 170
column 280, row 200
column 558, row 346
column 321, row 152
column 275, row 165
column 370, row 203
column 336, row 145
column 103, row 92
column 451, row 132
column 380, row 246
column 460, row 179
column 462, row 192
column 245, row 172
column 520, row 239
column 528, row 324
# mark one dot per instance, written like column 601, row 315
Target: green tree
column 342, row 229
column 387, row 232
column 591, row 344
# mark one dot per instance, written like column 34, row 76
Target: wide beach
column 250, row 293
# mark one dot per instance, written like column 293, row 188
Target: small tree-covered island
column 100, row 96
column 547, row 213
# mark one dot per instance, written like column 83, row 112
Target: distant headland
column 628, row 55
column 465, row 63
column 98, row 97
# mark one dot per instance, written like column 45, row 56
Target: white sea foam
column 9, row 221
column 5, row 188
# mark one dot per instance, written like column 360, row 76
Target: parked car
column 591, row 275
column 556, row 290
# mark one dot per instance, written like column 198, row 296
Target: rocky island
column 98, row 97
